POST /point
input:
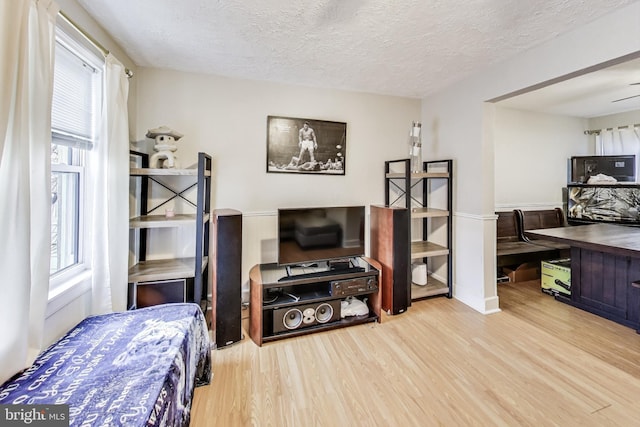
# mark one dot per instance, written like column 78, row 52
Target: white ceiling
column 599, row 93
column 406, row 48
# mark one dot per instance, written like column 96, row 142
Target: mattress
column 137, row 368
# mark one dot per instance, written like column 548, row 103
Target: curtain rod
column 597, row 131
column 90, row 39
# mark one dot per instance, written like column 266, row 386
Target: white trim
column 528, row 206
column 488, row 305
column 475, row 217
column 256, row 214
column 67, row 291
column 75, row 42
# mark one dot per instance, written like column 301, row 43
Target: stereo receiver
column 355, row 286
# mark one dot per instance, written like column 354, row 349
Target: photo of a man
column 307, row 141
column 305, row 146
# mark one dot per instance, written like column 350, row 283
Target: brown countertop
column 610, row 238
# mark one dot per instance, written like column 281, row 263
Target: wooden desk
column 605, row 261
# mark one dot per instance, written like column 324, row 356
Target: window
column 77, row 93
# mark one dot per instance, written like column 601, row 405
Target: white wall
column 461, row 125
column 228, row 119
column 614, row 120
column 532, row 150
column 531, row 153
column 629, row 119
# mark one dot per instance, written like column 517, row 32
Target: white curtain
column 27, row 40
column 624, row 140
column 109, row 168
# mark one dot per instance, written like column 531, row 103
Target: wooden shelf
column 343, row 323
column 161, row 221
column 164, row 269
column 165, row 172
column 433, row 287
column 420, row 175
column 427, row 249
column 428, row 213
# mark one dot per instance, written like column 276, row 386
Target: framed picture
column 296, row 145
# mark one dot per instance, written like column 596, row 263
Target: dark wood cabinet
column 605, row 268
column 601, row 282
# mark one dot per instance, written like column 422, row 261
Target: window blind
column 73, row 108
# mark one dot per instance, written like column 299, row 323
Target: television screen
column 309, row 235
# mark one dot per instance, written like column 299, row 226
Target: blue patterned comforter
column 136, row 368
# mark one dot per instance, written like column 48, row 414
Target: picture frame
column 306, row 146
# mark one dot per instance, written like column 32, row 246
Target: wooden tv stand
column 276, row 305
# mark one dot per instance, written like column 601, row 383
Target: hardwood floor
column 536, row 363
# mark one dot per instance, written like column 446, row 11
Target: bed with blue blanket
column 137, row 368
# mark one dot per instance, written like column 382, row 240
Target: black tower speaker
column 391, row 247
column 226, row 296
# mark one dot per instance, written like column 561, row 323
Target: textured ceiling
column 407, row 48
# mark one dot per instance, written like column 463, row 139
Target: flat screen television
column 310, row 235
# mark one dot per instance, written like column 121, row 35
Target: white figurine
column 165, row 147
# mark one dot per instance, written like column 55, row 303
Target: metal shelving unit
column 185, row 278
column 428, row 214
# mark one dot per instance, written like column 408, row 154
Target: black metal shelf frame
column 203, row 209
column 410, row 181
